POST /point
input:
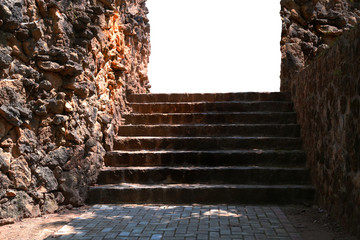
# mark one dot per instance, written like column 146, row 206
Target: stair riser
column 209, row 97
column 207, row 130
column 204, row 196
column 212, row 107
column 114, row 159
column 204, row 144
column 225, row 174
column 204, row 176
column 243, row 118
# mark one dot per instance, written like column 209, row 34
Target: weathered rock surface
column 326, row 96
column 309, row 28
column 65, row 70
column 19, row 206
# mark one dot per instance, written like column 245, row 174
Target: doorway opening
column 214, row 46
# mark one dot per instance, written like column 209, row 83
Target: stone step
column 241, row 148
column 195, row 107
column 205, row 143
column 210, row 97
column 204, row 175
column 212, row 118
column 265, row 130
column 200, row 193
column 295, row 158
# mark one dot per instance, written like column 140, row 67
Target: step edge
column 205, row 186
column 208, row 102
column 198, row 168
column 264, row 151
column 204, row 137
column 211, row 125
column 207, row 113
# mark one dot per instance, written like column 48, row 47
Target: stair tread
column 204, row 137
column 200, row 129
column 213, row 157
column 192, row 168
column 206, row 148
column 209, row 93
column 258, row 151
column 210, row 103
column 209, row 125
column 218, row 106
column 208, row 96
column 194, row 186
column 205, row 142
column 211, row 113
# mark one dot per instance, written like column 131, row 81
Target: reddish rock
column 4, row 161
column 49, row 66
column 6, row 221
column 4, row 127
column 10, row 193
column 60, row 65
column 20, row 173
column 118, row 66
column 328, row 30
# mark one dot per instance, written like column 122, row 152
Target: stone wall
column 309, row 27
column 65, row 69
column 326, row 95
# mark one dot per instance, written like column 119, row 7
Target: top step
column 209, row 97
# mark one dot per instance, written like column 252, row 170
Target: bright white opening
column 214, row 46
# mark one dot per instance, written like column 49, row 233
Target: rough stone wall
column 65, row 69
column 309, row 27
column 326, row 95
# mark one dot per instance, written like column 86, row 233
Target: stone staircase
column 206, row 148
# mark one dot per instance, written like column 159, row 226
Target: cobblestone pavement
column 179, row 222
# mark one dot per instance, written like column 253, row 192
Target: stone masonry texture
column 326, row 96
column 309, row 27
column 320, row 67
column 65, row 70
column 67, row 66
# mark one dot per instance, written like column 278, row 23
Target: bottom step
column 200, row 193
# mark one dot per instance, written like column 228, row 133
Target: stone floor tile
column 179, row 222
column 156, row 237
column 97, row 238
